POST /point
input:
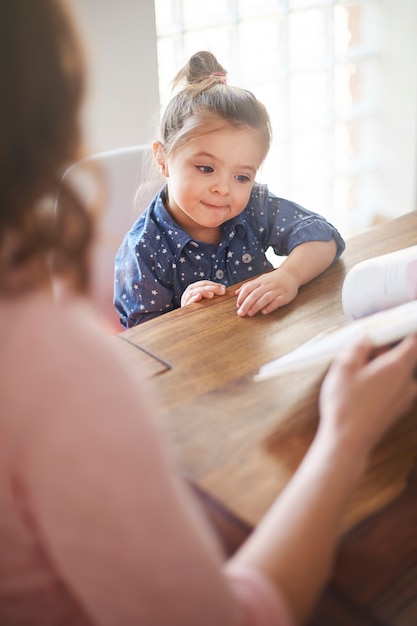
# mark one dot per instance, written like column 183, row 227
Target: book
column 380, row 283
column 379, row 300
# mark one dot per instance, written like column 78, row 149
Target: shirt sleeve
column 118, row 531
column 260, row 602
column 291, row 225
column 138, row 295
column 112, row 521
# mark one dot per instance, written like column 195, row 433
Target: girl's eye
column 242, row 178
column 206, row 169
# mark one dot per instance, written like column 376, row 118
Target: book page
column 383, row 328
column 380, row 283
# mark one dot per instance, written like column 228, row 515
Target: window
column 316, row 66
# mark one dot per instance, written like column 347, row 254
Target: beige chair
column 126, row 194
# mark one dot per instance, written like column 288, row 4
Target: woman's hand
column 363, row 395
column 201, row 289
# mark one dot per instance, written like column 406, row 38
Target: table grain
column 238, row 441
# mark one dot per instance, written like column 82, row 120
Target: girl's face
column 210, row 178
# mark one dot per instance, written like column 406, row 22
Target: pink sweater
column 95, row 526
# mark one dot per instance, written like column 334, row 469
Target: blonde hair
column 207, row 95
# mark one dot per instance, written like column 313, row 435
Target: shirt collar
column 166, row 223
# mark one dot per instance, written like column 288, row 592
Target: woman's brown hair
column 42, row 79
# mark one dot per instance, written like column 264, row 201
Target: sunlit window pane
column 303, row 4
column 251, row 9
column 259, row 51
column 204, row 14
column 309, row 101
column 308, row 42
column 217, row 39
column 315, row 66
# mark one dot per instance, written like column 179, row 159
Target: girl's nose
column 220, row 187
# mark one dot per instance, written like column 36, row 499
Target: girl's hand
column 266, row 292
column 364, row 395
column 269, row 291
column 201, row 289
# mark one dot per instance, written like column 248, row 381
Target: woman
column 95, row 526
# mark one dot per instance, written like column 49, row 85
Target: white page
column 380, row 283
column 383, row 328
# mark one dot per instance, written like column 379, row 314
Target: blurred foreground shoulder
column 58, row 353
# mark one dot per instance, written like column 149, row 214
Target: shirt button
column 247, row 258
column 219, row 274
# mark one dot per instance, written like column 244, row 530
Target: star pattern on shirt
column 148, row 277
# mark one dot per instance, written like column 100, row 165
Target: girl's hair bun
column 202, row 67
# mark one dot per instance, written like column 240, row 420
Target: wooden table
column 239, row 441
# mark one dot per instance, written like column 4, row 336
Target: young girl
column 211, row 225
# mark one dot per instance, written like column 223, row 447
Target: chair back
column 127, row 189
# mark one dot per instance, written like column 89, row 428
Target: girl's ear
column 159, row 156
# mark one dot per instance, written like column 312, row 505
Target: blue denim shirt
column 158, row 260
